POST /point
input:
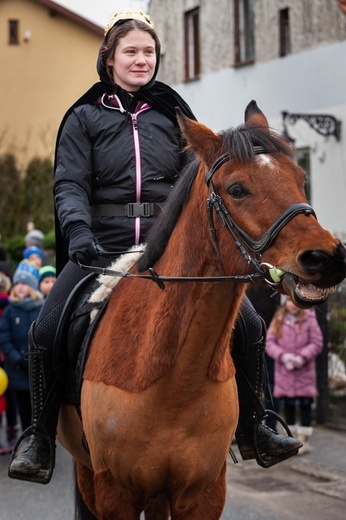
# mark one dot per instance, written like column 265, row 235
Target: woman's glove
column 83, row 246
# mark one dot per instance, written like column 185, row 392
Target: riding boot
column 33, row 458
column 256, row 440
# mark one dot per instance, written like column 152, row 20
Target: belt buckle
column 140, row 209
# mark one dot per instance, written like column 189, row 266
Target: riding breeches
column 48, row 319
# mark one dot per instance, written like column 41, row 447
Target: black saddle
column 72, row 339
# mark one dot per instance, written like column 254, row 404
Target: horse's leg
column 110, row 500
column 158, row 509
column 209, row 505
column 85, row 493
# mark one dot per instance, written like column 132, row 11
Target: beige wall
column 42, row 77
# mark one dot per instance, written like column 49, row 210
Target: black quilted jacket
column 109, row 156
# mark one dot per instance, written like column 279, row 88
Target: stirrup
column 41, row 476
column 263, row 462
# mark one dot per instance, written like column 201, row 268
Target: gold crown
column 128, row 15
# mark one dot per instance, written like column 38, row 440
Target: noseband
column 241, row 238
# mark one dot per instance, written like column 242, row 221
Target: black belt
column 132, row 209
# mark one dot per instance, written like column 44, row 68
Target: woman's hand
column 83, row 246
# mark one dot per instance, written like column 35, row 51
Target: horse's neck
column 205, row 311
column 206, row 329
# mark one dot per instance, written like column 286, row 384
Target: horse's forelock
column 240, row 141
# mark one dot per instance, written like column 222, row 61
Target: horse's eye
column 237, row 191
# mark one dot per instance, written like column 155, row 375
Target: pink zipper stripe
column 143, row 108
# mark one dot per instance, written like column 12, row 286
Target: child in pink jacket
column 294, row 340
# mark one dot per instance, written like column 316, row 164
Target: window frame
column 244, row 32
column 192, row 44
column 284, row 33
column 13, row 32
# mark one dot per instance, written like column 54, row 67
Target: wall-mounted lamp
column 323, row 124
column 27, row 35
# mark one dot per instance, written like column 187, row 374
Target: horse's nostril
column 315, row 260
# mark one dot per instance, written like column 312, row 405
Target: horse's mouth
column 303, row 292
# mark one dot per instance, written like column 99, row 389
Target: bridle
column 242, row 240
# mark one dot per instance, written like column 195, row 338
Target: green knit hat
column 47, row 270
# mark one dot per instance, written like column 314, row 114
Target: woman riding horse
column 119, row 152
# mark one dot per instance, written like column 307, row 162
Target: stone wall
column 313, row 23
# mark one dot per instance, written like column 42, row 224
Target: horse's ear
column 255, row 117
column 200, row 138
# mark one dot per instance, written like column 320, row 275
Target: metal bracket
column 323, row 124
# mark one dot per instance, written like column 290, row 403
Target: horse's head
column 257, row 191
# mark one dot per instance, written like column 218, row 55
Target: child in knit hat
column 28, row 274
column 25, row 302
column 47, row 278
column 34, row 255
column 34, row 238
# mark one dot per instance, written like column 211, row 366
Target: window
column 13, row 32
column 285, row 39
column 192, row 60
column 244, row 31
column 303, row 159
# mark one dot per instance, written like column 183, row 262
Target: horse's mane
column 239, row 143
column 162, row 229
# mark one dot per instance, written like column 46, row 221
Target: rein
column 241, row 239
column 159, row 279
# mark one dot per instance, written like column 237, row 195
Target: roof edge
column 72, row 16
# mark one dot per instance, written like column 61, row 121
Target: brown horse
column 159, row 399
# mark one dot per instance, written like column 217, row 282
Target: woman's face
column 134, row 60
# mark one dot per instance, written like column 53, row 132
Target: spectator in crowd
column 34, row 255
column 294, row 340
column 10, row 413
column 25, row 302
column 47, row 278
column 35, row 238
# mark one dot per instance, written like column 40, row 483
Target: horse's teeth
column 319, row 290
